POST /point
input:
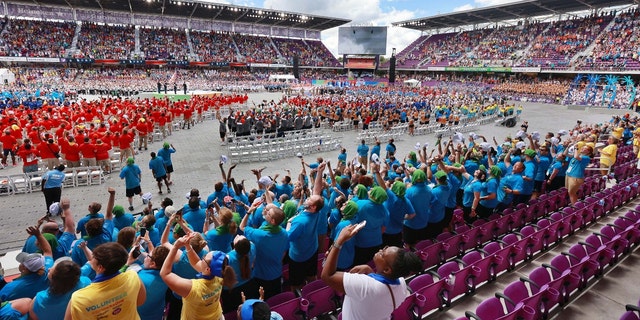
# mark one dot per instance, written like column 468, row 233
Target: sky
column 370, row 13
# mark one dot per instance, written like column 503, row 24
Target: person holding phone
column 369, row 294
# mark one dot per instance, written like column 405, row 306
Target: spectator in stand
column 122, row 292
column 64, row 280
column 34, row 268
column 242, row 259
column 201, row 296
column 271, row 243
column 575, row 172
column 154, row 286
column 367, row 292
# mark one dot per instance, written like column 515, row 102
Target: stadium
column 245, row 100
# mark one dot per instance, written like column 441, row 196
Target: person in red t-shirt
column 71, row 151
column 188, row 117
column 49, row 153
column 124, row 141
column 143, row 132
column 88, row 151
column 102, row 155
column 8, row 147
column 29, row 156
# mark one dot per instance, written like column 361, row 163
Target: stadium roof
column 516, row 10
column 202, row 10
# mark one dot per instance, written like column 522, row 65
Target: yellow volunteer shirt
column 203, row 301
column 608, row 155
column 115, row 298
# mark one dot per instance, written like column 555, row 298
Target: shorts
column 169, row 168
column 133, row 191
column 298, row 271
column 537, row 185
column 573, row 184
column 30, row 168
column 7, row 151
column 159, row 179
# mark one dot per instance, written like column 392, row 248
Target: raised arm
column 176, row 283
column 318, row 182
column 110, row 203
column 67, row 216
column 43, row 244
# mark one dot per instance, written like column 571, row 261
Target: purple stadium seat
column 492, row 309
column 292, row 309
column 513, row 240
column 435, row 294
column 408, row 309
column 459, row 279
column 322, row 299
column 517, row 294
column 420, row 281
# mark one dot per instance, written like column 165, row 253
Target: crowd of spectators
column 255, row 226
column 31, row 38
column 556, row 46
column 164, row 44
column 503, row 46
column 552, row 91
column 214, row 46
column 101, row 41
column 258, row 49
column 618, row 47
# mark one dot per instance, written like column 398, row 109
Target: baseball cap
column 520, row 145
column 266, row 181
column 54, row 209
column 169, row 211
column 32, row 261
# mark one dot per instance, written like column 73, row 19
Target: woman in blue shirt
column 575, row 171
column 241, row 259
column 64, row 279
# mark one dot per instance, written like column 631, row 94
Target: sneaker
column 168, row 190
column 160, row 192
column 131, row 208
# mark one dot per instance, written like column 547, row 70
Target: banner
column 477, row 69
column 526, row 69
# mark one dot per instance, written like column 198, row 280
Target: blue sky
column 370, row 12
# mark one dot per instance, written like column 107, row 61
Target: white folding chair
column 96, row 175
column 81, row 174
column 6, row 187
column 20, row 183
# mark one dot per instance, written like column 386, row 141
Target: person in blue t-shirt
column 34, row 268
column 242, row 259
column 165, row 154
column 575, row 171
column 132, row 177
column 152, row 308
column 64, row 280
column 156, row 164
column 363, row 153
column 271, row 243
column 52, row 185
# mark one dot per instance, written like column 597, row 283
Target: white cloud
column 463, row 7
column 485, row 3
column 360, row 12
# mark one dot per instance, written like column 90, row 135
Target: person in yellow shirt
column 112, row 294
column 608, row 155
column 201, row 296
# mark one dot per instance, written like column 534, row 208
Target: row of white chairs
column 32, row 182
column 278, row 148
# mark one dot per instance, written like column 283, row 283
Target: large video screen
column 362, row 40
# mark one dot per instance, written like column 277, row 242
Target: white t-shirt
column 368, row 299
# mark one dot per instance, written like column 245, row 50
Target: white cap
column 473, row 135
column 458, row 137
column 54, row 209
column 146, row 197
column 520, row 144
column 563, row 132
column 417, row 146
column 520, row 134
column 554, row 141
column 375, row 158
column 299, row 154
column 224, row 159
column 535, row 136
column 266, row 181
column 169, row 211
column 485, row 146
